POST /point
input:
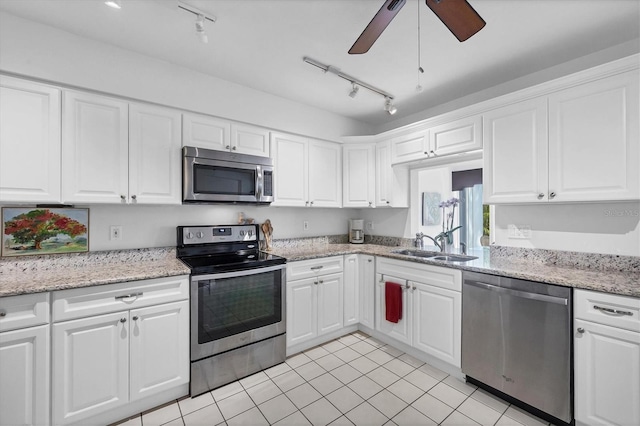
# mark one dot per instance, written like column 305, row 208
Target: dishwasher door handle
column 519, row 293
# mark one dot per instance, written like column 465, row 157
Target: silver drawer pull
column 3, row 314
column 315, row 268
column 127, row 296
column 612, row 311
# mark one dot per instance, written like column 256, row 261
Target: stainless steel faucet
column 420, row 243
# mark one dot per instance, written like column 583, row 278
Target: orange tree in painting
column 40, row 225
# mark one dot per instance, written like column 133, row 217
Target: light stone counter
column 34, row 274
column 605, row 273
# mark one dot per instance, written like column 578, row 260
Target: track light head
column 354, row 90
column 200, row 29
column 114, row 4
column 389, row 107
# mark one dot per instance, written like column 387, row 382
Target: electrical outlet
column 521, row 232
column 305, row 225
column 115, row 232
column 370, row 226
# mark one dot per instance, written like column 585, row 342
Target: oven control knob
column 189, row 235
column 242, row 233
column 249, row 233
column 200, row 234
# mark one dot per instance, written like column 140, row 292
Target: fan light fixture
column 355, row 83
column 201, row 18
column 389, row 107
column 354, row 90
column 114, row 4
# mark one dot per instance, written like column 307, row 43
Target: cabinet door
column 330, row 303
column 437, row 322
column 515, row 153
column 206, row 132
column 351, row 289
column 462, row 135
column 24, row 376
column 367, row 290
column 290, row 156
column 90, row 366
column 392, row 183
column 95, row 147
column 413, row 146
column 358, row 171
column 401, row 330
column 155, row 167
column 159, row 348
column 251, row 140
column 607, row 375
column 29, row 141
column 325, row 174
column 302, row 311
column 594, row 141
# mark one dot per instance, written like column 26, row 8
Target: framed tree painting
column 36, row 231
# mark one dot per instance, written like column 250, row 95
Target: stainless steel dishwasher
column 516, row 340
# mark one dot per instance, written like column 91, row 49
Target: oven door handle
column 234, row 274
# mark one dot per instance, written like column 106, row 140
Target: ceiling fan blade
column 457, row 15
column 377, row 25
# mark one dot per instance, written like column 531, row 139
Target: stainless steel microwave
column 210, row 176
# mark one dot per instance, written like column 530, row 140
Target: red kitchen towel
column 393, row 301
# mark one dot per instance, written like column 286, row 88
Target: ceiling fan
column 457, row 15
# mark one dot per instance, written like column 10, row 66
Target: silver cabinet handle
column 123, row 320
column 3, row 314
column 228, row 146
column 612, row 311
column 315, row 268
column 321, row 282
column 135, row 318
column 414, row 288
column 126, row 296
column 133, row 197
column 552, row 194
column 369, row 260
column 123, row 197
column 234, row 148
column 316, row 282
column 540, row 196
column 580, row 330
column 432, row 153
column 310, row 203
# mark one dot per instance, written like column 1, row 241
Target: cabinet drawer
column 438, row 276
column 608, row 309
column 23, row 311
column 311, row 268
column 84, row 302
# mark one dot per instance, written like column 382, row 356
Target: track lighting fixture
column 114, row 4
column 354, row 90
column 389, row 107
column 355, row 83
column 201, row 18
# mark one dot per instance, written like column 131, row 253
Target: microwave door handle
column 259, row 183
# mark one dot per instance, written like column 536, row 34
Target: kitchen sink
column 435, row 255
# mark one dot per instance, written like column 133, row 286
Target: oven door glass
column 219, row 180
column 233, row 305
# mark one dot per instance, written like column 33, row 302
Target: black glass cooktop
column 227, row 262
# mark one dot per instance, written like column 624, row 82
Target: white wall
column 31, row 49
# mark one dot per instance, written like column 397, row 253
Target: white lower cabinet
column 24, row 360
column 351, row 289
column 606, row 359
column 106, row 362
column 367, row 293
column 431, row 307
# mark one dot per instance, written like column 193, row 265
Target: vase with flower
column 446, row 236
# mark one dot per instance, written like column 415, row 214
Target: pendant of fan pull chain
column 457, row 15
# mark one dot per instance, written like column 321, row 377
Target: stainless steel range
column 237, row 304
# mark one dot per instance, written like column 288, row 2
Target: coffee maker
column 356, row 231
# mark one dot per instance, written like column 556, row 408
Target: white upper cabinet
column 359, row 174
column 515, row 153
column 155, row 172
column 29, row 141
column 208, row 132
column 307, row 172
column 392, row 183
column 577, row 144
column 95, row 149
column 594, row 141
column 410, row 147
column 114, row 152
column 462, row 135
column 248, row 139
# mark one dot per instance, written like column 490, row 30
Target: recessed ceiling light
column 114, row 4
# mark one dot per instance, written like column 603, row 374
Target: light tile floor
column 353, row 380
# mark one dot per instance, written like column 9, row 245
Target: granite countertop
column 35, row 274
column 586, row 273
column 48, row 273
